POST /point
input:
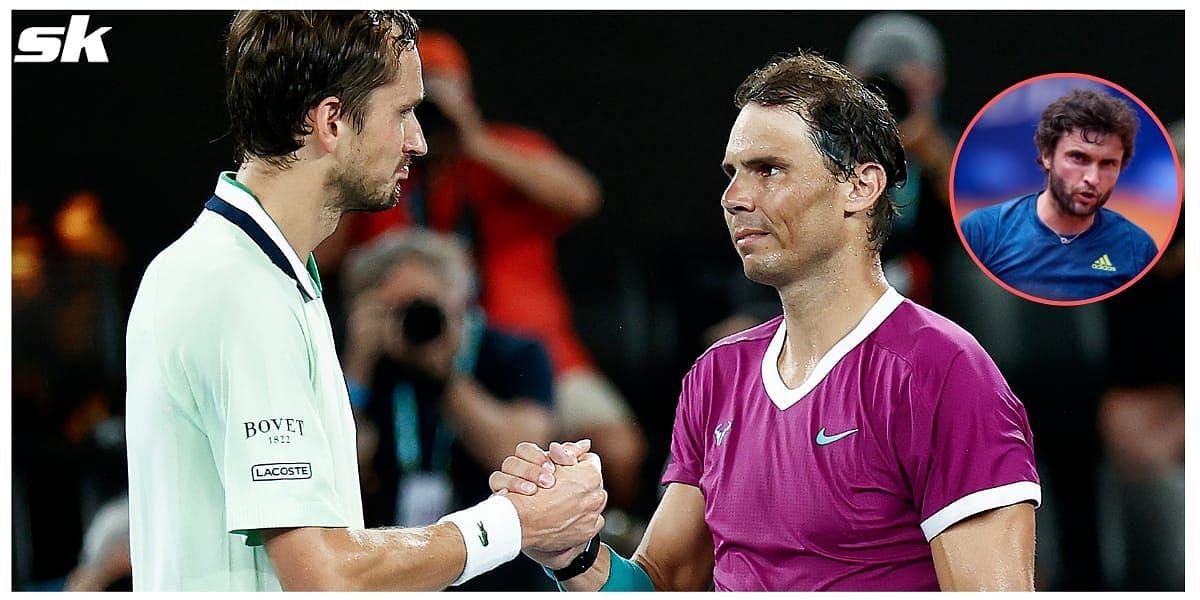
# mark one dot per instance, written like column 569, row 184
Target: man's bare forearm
column 338, row 559
column 464, row 544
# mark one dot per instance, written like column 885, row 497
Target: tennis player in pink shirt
column 858, row 441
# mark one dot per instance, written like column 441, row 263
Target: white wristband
column 492, row 532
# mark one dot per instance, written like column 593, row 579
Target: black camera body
column 421, row 322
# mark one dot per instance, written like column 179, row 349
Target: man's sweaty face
column 780, row 205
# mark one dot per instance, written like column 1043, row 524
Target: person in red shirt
column 510, row 192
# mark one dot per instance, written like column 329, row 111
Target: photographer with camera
column 440, row 397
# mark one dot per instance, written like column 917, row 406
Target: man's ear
column 328, row 126
column 1045, row 159
column 867, row 184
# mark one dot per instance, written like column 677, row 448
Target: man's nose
column 737, row 196
column 414, row 142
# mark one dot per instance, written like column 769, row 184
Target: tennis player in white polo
column 242, row 463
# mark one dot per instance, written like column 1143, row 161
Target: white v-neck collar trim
column 780, row 394
column 245, row 202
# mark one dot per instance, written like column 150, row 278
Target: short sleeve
column 971, row 448
column 687, row 449
column 251, row 372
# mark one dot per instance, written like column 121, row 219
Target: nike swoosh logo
column 823, row 439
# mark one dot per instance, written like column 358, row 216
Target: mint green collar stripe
column 316, row 275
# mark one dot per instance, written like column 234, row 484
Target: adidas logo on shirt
column 1103, row 264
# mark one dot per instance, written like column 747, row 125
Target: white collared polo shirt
column 237, row 413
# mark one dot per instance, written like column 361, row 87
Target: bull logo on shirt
column 720, row 434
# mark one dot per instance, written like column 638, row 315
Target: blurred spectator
column 67, row 346
column 36, row 415
column 442, row 397
column 104, row 563
column 1142, row 427
column 32, row 342
column 902, row 57
column 28, row 257
column 511, row 193
column 82, row 232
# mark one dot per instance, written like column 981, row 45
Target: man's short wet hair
column 280, row 64
column 849, row 124
column 1093, row 115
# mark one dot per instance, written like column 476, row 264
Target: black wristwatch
column 582, row 563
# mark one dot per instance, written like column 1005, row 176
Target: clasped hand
column 559, row 494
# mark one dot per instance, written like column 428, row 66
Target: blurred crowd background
column 561, row 258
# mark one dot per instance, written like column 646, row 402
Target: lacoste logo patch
column 281, row 471
column 483, row 536
column 1104, row 264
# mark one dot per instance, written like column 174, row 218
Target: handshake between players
column 531, row 473
column 570, row 475
column 559, row 496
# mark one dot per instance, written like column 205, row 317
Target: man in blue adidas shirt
column 1061, row 243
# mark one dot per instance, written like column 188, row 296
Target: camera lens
column 421, row 322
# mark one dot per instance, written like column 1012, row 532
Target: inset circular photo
column 1065, row 189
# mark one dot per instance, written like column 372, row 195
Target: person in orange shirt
column 511, row 192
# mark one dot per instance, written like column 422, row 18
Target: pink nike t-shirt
column 904, row 428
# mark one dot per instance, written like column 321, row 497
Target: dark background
column 644, row 100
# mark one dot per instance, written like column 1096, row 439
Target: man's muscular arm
column 340, row 559
column 991, row 551
column 433, row 557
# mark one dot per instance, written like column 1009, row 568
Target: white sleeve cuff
column 492, row 533
column 983, row 500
